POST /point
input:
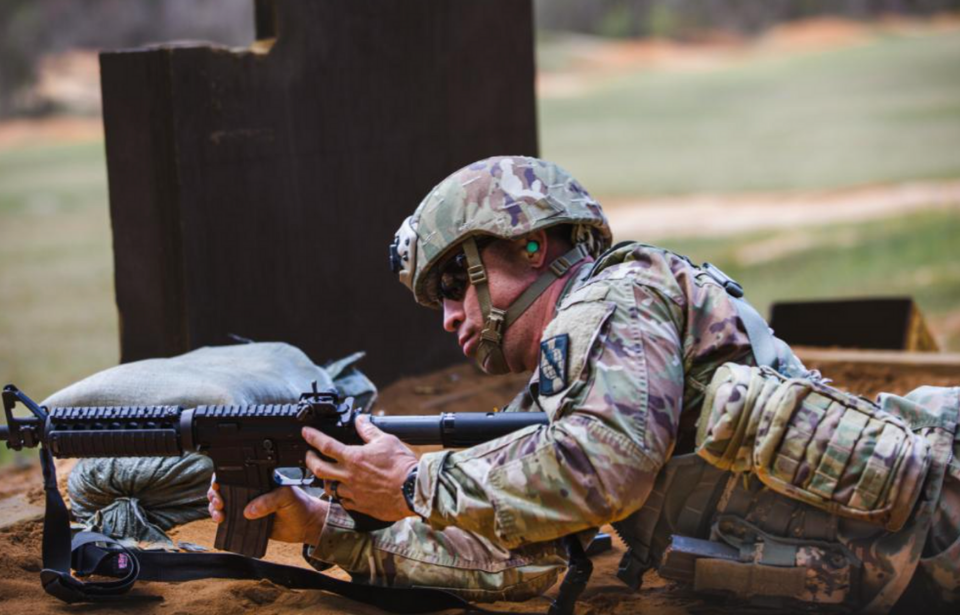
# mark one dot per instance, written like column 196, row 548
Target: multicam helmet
column 504, row 197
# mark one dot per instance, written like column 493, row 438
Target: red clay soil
column 460, row 387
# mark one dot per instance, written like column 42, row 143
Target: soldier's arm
column 615, row 419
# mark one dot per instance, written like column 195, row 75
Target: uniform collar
column 575, row 282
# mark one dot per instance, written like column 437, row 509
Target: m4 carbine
column 248, row 445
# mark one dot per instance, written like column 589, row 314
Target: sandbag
column 141, row 498
column 351, row 382
column 262, row 373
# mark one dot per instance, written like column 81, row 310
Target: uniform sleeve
column 614, row 422
column 523, row 402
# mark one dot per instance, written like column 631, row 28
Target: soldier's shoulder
column 600, row 310
column 566, row 341
column 644, row 265
column 609, row 288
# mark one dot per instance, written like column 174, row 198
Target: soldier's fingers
column 367, row 430
column 215, row 514
column 213, row 494
column 325, row 469
column 344, row 492
column 216, row 502
column 267, row 503
column 323, row 443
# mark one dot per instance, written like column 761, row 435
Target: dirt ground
column 726, row 215
column 460, row 387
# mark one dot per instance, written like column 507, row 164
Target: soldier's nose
column 452, row 315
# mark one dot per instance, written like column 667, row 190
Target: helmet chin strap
column 495, row 320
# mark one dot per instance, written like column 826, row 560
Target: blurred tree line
column 685, row 19
column 30, row 29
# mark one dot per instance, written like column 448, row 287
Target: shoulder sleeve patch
column 553, row 364
column 579, row 326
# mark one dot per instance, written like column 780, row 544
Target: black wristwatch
column 410, row 487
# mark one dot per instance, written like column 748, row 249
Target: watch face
column 410, row 488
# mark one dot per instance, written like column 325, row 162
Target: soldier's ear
column 533, row 247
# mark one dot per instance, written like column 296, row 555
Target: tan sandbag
column 141, row 498
column 260, row 373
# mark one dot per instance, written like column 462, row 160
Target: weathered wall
column 256, row 193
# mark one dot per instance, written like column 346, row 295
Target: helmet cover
column 505, row 197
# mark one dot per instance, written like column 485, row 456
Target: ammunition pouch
column 776, row 552
column 729, row 534
column 746, row 562
column 685, row 493
column 813, row 443
column 798, row 494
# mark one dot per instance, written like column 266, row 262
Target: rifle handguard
column 126, row 431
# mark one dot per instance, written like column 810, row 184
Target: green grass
column 52, row 178
column 884, row 111
column 58, row 322
column 917, row 256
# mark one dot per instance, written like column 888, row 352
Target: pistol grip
column 237, row 533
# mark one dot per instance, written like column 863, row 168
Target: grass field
column 878, row 113
column 57, row 317
column 58, row 322
column 915, row 256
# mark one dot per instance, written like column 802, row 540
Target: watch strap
column 410, row 487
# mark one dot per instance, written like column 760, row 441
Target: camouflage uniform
column 818, row 496
column 624, row 366
column 644, row 338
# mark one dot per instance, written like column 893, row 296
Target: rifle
column 252, row 447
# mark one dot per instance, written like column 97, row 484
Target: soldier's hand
column 369, row 477
column 299, row 516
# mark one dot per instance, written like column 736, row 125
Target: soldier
column 789, row 493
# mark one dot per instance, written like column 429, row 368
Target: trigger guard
column 282, row 480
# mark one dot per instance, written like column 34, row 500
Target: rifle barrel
column 459, row 429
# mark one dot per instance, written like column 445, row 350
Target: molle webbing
column 813, row 443
column 682, row 502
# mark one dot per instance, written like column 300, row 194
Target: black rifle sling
column 90, row 553
column 57, row 548
column 97, row 554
